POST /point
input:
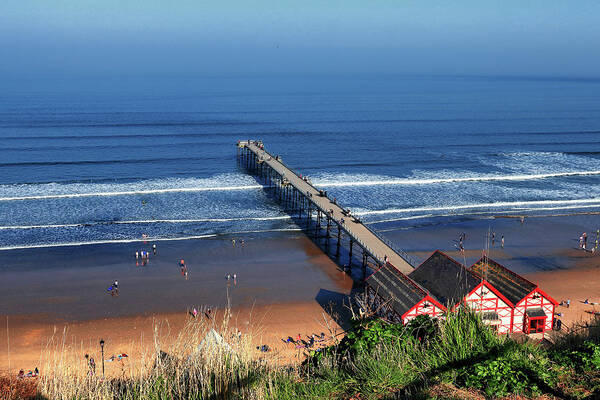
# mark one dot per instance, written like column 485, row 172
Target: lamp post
column 102, row 351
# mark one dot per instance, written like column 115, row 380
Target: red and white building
column 533, row 309
column 453, row 284
column 396, row 298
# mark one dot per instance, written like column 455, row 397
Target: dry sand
column 576, row 284
column 32, row 342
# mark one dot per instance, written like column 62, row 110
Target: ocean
column 91, row 162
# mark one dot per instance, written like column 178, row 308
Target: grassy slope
column 457, row 357
column 382, row 361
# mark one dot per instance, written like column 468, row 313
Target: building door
column 536, row 325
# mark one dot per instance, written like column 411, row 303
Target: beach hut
column 453, row 284
column 533, row 310
column 393, row 296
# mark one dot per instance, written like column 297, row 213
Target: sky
column 238, row 38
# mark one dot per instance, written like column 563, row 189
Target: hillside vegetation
column 457, row 357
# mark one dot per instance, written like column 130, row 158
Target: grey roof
column 446, row 279
column 535, row 312
column 512, row 286
column 389, row 283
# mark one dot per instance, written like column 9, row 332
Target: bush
column 583, row 357
column 513, row 373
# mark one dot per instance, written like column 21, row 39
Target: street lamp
column 102, row 350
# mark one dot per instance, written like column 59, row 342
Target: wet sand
column 287, row 282
column 66, row 284
column 539, row 244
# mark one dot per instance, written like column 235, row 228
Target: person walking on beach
column 502, row 241
column 584, row 240
column 137, row 255
column 568, row 303
column 233, row 242
column 493, row 238
column 154, row 248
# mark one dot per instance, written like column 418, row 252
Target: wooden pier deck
column 369, row 241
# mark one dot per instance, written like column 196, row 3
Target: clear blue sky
column 196, row 37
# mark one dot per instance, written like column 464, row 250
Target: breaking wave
column 153, row 239
column 246, row 183
column 559, row 204
column 147, row 221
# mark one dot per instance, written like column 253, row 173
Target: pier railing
column 414, row 262
column 380, row 258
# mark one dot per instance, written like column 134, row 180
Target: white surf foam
column 540, row 162
column 220, row 182
column 214, row 184
column 147, row 221
column 429, row 181
column 594, row 201
column 45, row 245
column 130, row 192
column 149, row 239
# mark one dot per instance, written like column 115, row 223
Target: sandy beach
column 577, row 285
column 34, row 343
column 284, row 286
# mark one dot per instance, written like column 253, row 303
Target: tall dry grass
column 179, row 366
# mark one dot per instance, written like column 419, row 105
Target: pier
column 298, row 195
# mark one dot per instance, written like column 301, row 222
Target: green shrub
column 583, row 357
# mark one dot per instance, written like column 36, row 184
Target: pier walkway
column 310, row 198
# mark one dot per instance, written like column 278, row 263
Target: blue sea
column 101, row 162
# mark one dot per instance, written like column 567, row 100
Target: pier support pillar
column 350, row 255
column 364, row 265
column 279, row 185
column 318, row 225
column 339, row 240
